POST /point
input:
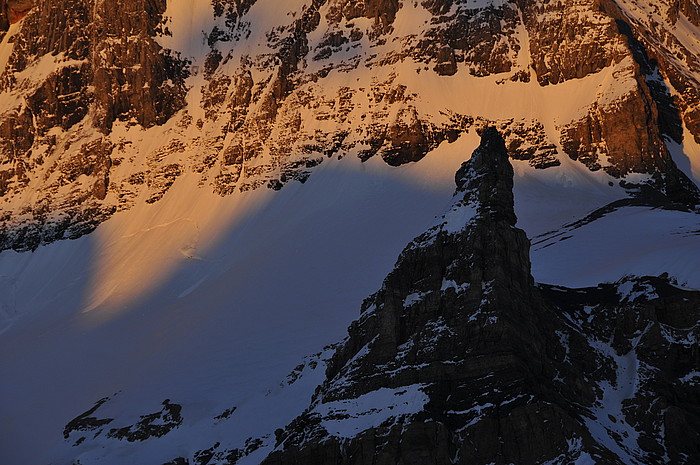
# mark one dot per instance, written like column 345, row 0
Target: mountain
column 461, row 358
column 196, row 197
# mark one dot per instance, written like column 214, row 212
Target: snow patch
column 630, row 291
column 414, row 298
column 458, row 217
column 450, row 284
column 692, row 378
column 348, row 418
column 607, row 424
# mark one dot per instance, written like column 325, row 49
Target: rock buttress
column 461, row 358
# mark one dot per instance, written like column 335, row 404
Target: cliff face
column 658, row 30
column 461, row 358
column 74, row 69
column 260, row 103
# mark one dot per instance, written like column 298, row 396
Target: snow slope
column 215, row 326
column 210, row 302
column 630, row 241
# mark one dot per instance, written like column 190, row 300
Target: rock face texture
column 266, row 102
column 100, row 64
column 570, row 40
column 461, row 358
column 657, row 30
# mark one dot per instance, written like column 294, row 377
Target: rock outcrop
column 483, row 40
column 383, row 12
column 152, row 425
column 17, row 9
column 461, row 358
column 570, row 40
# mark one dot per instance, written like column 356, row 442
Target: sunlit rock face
column 17, row 9
column 266, row 97
column 72, row 70
column 667, row 48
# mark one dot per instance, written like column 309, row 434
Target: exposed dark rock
column 382, row 12
column 178, row 461
column 688, row 8
column 225, row 414
column 133, row 76
column 624, row 137
column 529, row 142
column 668, row 60
column 152, row 425
column 220, row 456
column 159, row 181
column 483, row 39
column 16, row 137
column 17, row 9
column 509, row 372
column 446, row 62
column 669, row 118
column 407, row 139
column 231, row 9
column 61, row 101
column 203, row 457
column 108, row 65
column 620, row 132
column 86, row 422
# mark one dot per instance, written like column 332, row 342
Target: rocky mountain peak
column 457, row 307
column 486, row 179
column 169, row 123
column 461, row 358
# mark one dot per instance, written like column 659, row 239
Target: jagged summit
column 457, row 321
column 472, row 266
column 487, row 178
column 460, row 358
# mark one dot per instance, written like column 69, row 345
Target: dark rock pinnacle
column 461, row 358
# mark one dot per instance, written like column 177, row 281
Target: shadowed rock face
column 477, row 247
column 500, row 370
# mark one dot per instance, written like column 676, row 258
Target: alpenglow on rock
column 107, row 104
